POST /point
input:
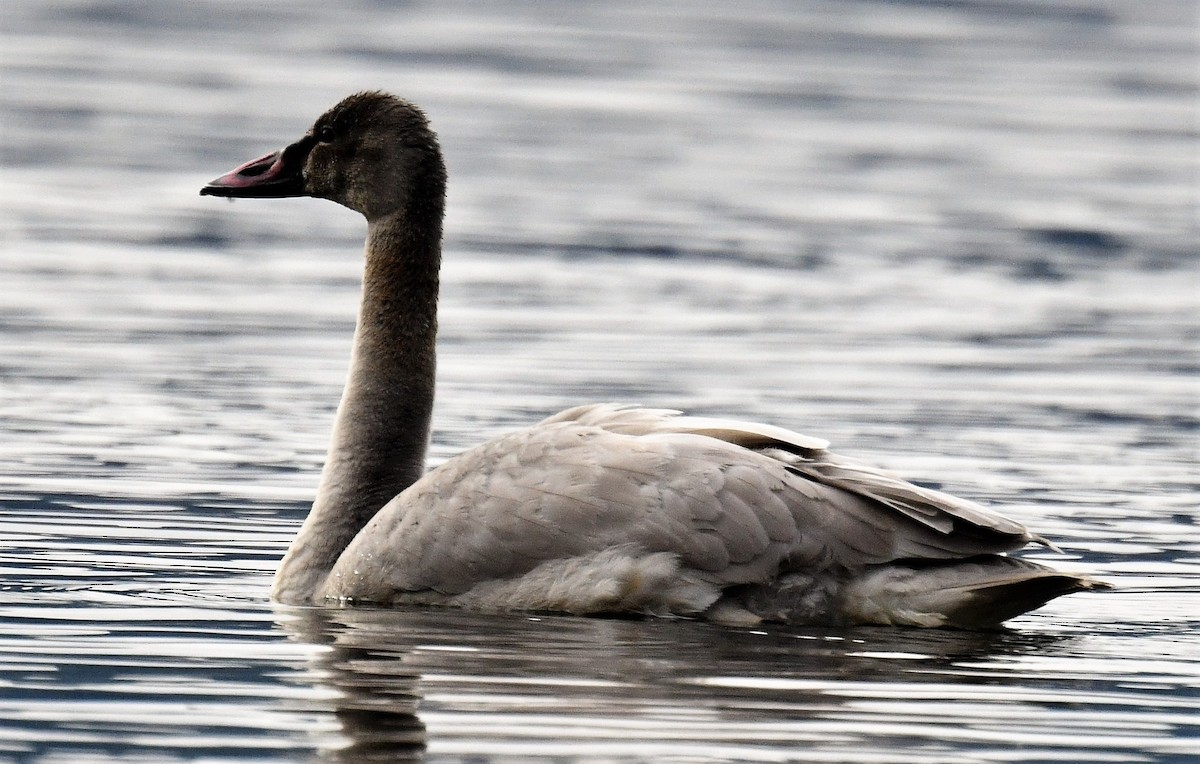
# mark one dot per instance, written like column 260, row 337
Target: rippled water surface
column 958, row 239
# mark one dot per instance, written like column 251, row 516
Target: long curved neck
column 382, row 428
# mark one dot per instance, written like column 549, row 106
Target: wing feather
column 735, row 502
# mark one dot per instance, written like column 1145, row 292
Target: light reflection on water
column 973, row 263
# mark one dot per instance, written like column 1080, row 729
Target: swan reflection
column 407, row 682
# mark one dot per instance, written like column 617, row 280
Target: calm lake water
column 958, row 239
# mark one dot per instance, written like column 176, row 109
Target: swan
column 603, row 508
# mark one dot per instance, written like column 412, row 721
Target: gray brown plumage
column 602, row 508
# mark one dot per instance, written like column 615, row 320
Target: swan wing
column 651, row 482
column 567, row 490
column 809, row 457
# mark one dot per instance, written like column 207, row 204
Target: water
column 957, row 239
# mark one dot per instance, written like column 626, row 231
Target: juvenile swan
column 600, row 508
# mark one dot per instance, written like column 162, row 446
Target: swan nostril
column 253, row 171
column 258, row 167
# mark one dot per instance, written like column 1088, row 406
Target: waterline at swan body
column 600, row 508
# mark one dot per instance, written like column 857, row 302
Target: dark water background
column 955, row 238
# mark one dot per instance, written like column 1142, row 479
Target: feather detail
column 693, row 506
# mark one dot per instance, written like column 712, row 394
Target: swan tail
column 976, row 593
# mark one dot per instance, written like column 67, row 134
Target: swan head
column 373, row 153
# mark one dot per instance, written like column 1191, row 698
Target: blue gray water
column 958, row 239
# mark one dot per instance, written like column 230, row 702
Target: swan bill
column 275, row 176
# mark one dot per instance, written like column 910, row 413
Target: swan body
column 601, row 508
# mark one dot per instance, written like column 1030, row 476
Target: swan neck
column 381, row 433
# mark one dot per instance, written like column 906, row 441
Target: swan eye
column 326, row 134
